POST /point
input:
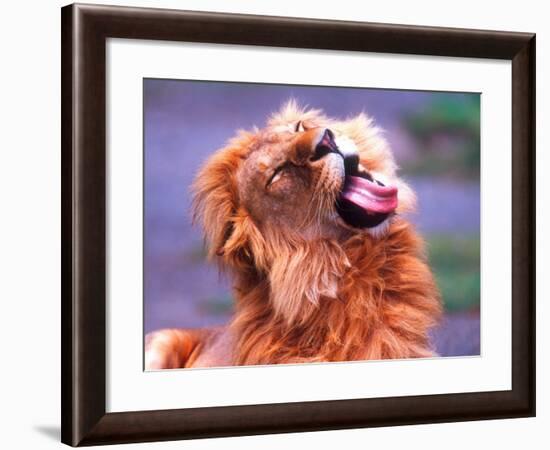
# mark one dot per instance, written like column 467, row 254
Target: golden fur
column 307, row 286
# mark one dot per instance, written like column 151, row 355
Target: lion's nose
column 325, row 145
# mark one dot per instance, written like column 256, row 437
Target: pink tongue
column 370, row 196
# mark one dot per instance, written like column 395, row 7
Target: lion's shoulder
column 217, row 350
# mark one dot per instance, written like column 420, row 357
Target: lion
column 306, row 216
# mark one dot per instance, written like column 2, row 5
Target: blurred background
column 435, row 138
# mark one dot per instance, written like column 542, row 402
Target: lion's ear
column 245, row 245
column 216, row 200
column 220, row 251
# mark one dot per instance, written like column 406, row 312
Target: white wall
column 30, row 191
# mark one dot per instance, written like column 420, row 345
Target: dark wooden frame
column 85, row 29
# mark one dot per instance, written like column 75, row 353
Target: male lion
column 305, row 216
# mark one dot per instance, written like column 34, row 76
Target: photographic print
column 292, row 224
column 297, row 199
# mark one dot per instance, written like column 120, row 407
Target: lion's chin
column 376, row 231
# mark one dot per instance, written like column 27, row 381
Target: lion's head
column 283, row 199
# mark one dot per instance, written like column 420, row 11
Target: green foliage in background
column 455, row 262
column 221, row 305
column 447, row 136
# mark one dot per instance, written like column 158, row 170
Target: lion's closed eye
column 278, row 174
column 276, row 177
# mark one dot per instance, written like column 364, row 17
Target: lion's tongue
column 370, row 196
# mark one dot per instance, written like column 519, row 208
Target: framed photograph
column 278, row 224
